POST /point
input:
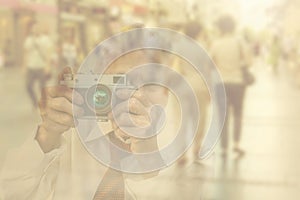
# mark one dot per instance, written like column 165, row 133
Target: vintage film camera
column 97, row 93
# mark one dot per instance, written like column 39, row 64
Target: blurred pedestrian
column 36, row 60
column 69, row 50
column 275, row 54
column 195, row 30
column 8, row 53
column 230, row 54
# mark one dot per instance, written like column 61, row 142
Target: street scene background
column 266, row 165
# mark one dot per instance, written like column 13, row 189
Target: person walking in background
column 36, row 56
column 196, row 31
column 8, row 53
column 230, row 55
column 69, row 50
column 275, row 54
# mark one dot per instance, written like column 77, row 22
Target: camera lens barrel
column 98, row 98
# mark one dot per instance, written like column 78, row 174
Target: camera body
column 97, row 91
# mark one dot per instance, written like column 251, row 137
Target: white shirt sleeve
column 29, row 173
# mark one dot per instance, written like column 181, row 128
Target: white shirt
column 37, row 51
column 70, row 172
column 228, row 52
column 69, row 53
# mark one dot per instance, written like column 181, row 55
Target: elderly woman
column 230, row 55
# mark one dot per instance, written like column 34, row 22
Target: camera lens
column 99, row 99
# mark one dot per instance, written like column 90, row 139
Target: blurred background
column 269, row 167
